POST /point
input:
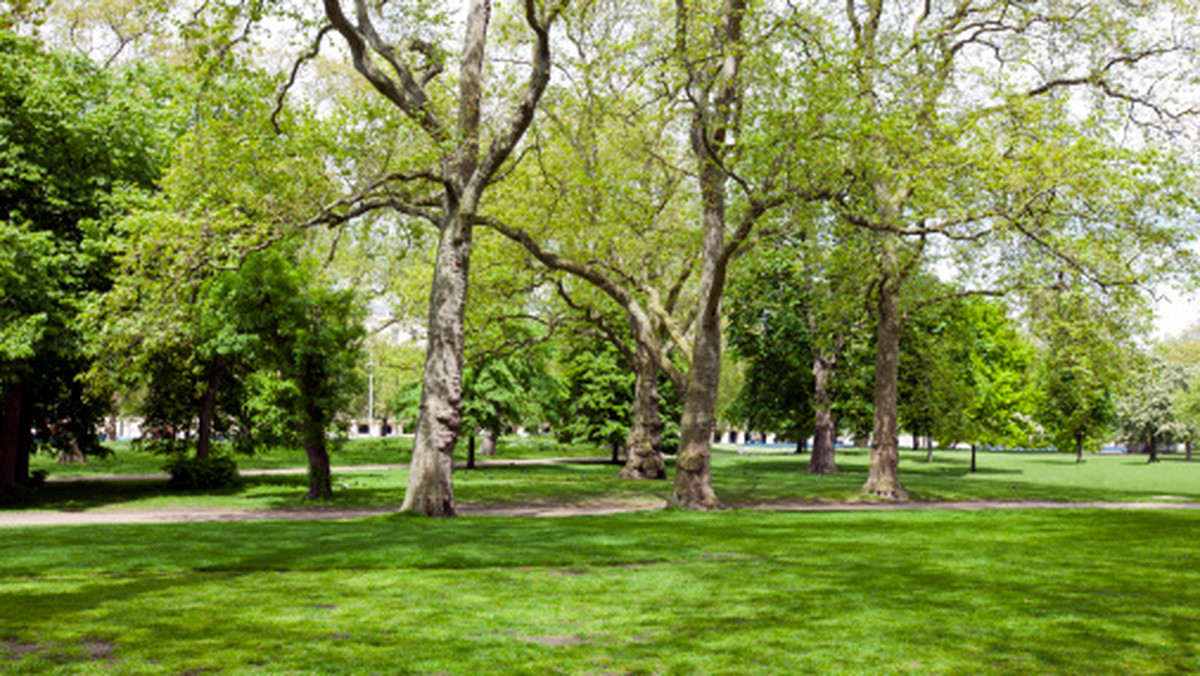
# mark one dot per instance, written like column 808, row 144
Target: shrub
column 198, row 474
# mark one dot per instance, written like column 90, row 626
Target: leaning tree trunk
column 644, row 457
column 883, row 477
column 430, row 483
column 822, row 461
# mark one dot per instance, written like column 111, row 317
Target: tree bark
column 883, row 474
column 430, row 484
column 822, row 460
column 487, row 442
column 802, row 446
column 320, row 481
column 10, row 446
column 1153, row 449
column 973, row 458
column 693, row 465
column 644, row 458
column 208, row 408
column 470, row 451
column 1078, row 448
column 1187, row 449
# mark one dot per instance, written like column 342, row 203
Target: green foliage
column 1147, row 412
column 1081, row 365
column 598, row 395
column 802, row 294
column 202, row 474
column 303, row 339
column 78, row 147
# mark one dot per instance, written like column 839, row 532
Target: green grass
column 1067, row 592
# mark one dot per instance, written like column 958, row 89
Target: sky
column 1176, row 312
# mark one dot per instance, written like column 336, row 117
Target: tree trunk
column 883, row 476
column 487, row 441
column 973, row 458
column 1187, row 449
column 644, row 456
column 10, row 446
column 320, row 480
column 822, row 461
column 430, row 484
column 1078, row 448
column 320, row 483
column 693, row 465
column 1153, row 449
column 929, row 450
column 208, row 407
column 802, row 447
column 470, row 451
column 70, row 453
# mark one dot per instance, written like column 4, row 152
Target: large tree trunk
column 430, row 484
column 1153, row 449
column 693, row 466
column 208, row 407
column 10, row 445
column 644, row 458
column 883, row 476
column 822, row 461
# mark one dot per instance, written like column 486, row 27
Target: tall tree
column 459, row 173
column 305, row 339
column 79, row 149
column 960, row 135
column 1085, row 348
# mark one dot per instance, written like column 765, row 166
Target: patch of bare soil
column 88, row 649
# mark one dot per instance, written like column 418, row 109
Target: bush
column 200, row 474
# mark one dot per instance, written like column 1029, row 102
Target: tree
column 794, row 314
column 78, row 147
column 1146, row 413
column 959, row 135
column 459, row 171
column 597, row 398
column 605, row 209
column 306, row 340
column 1081, row 364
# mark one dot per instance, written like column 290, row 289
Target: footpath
column 22, row 518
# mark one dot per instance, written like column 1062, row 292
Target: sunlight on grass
column 665, row 592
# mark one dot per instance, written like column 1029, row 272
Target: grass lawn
column 999, row 592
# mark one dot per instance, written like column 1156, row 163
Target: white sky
column 1176, row 312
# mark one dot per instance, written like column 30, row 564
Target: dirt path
column 321, row 512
